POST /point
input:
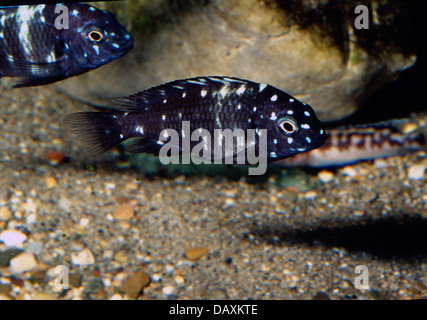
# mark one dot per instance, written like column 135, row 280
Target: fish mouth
column 126, row 47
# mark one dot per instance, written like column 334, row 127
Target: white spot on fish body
column 75, row 13
column 290, row 140
column 321, row 131
column 275, row 141
column 273, row 116
column 164, row 101
column 307, row 113
column 241, row 90
column 290, row 112
column 224, row 91
column 184, row 94
column 140, row 129
column 274, row 98
column 121, row 136
column 239, row 106
column 180, row 115
column 96, row 48
column 116, row 45
column 164, row 117
column 291, row 100
column 160, row 143
column 203, row 93
column 262, row 86
column 305, row 126
column 51, row 57
column 301, row 149
column 273, row 154
column 1, row 35
column 91, row 9
column 165, row 134
column 254, row 109
column 308, row 139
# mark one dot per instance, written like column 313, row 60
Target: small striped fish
column 346, row 145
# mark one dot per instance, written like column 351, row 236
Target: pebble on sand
column 22, row 263
column 55, row 157
column 51, row 182
column 195, row 253
column 12, row 238
column 325, row 176
column 134, row 285
column 83, row 258
column 124, row 211
column 5, row 213
column 416, row 172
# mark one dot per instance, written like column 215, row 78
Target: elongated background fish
column 346, row 145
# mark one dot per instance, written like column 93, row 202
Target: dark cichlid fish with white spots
column 37, row 51
column 208, row 103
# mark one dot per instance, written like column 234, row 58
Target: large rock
column 262, row 42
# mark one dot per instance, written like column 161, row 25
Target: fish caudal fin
column 97, row 131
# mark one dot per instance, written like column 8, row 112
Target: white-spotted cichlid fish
column 209, row 103
column 37, row 51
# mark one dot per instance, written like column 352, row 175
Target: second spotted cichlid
column 37, row 51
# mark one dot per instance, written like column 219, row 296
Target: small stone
column 65, row 204
column 179, row 280
column 43, row 296
column 116, row 297
column 131, row 186
column 84, row 222
column 5, row 213
column 51, row 182
column 22, row 263
column 325, row 176
column 55, row 157
column 416, row 172
column 134, row 285
column 6, row 256
column 13, row 238
column 310, row 195
column 83, row 258
column 75, row 280
column 196, row 253
column 5, row 288
column 358, row 213
column 124, row 211
column 349, row 171
column 168, row 290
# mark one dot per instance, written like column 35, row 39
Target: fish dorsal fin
column 175, row 89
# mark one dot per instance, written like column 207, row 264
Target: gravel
column 292, row 235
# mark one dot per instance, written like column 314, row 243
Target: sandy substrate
column 201, row 236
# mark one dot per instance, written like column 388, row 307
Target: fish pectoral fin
column 39, row 73
column 38, row 81
column 143, row 145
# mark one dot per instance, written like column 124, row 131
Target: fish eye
column 288, row 125
column 95, row 35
